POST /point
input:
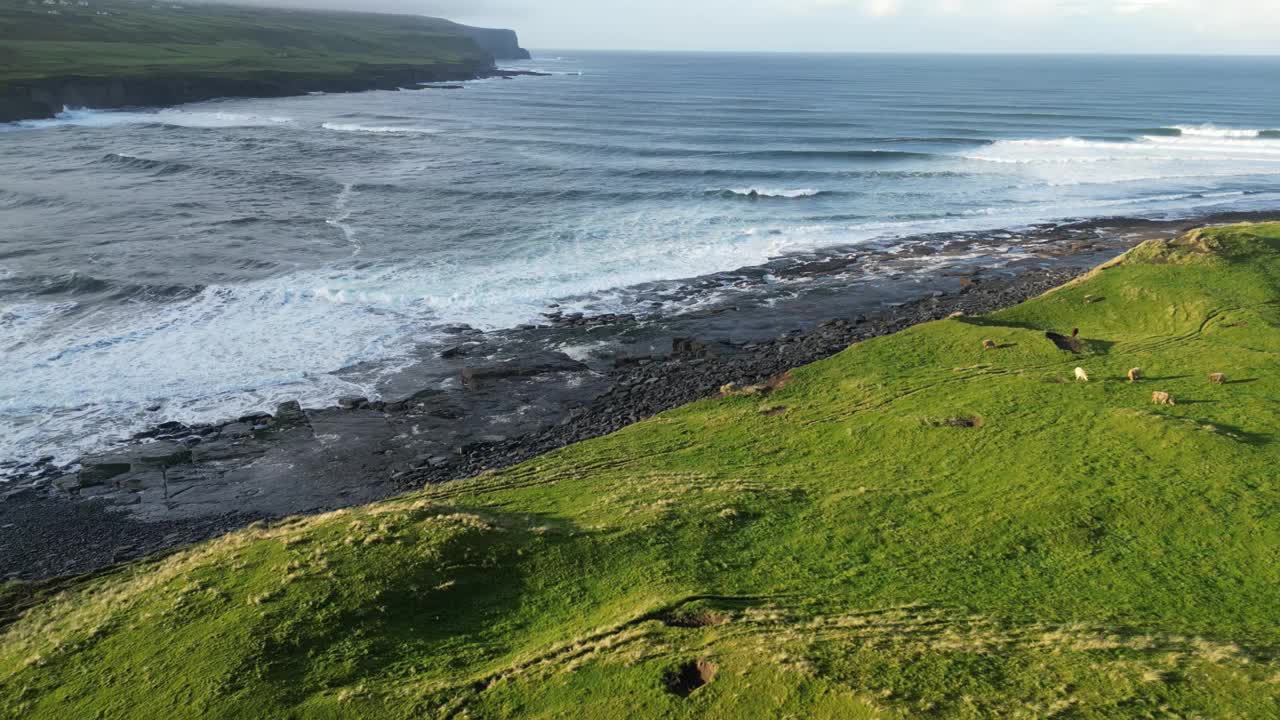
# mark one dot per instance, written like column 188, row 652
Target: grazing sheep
column 1218, row 379
column 956, row 315
column 1081, row 375
column 1135, row 375
column 1162, row 398
column 988, row 344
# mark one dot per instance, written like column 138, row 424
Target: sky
column 1094, row 26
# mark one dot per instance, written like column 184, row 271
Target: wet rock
column 237, row 430
column 457, row 351
column 26, row 491
column 461, row 329
column 164, row 430
column 688, row 347
column 352, row 402
column 161, row 455
column 100, row 469
column 290, row 413
column 446, row 412
column 532, row 365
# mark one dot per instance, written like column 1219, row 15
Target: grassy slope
column 141, row 38
column 1083, row 553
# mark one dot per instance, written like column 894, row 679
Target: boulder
column 161, row 455
column 352, row 402
column 688, row 347
column 529, row 366
column 237, row 430
column 96, row 470
column 290, row 413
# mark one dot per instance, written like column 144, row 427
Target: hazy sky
column 1174, row 26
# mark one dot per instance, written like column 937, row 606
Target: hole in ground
column 968, row 421
column 694, row 619
column 690, row 676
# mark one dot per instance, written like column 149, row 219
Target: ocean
column 194, row 263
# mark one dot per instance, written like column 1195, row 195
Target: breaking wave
column 1213, row 131
column 1178, row 153
column 170, row 117
column 379, row 129
column 756, row 193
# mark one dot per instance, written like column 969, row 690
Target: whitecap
column 341, row 214
column 1211, row 153
column 174, row 117
column 379, row 129
column 771, row 193
column 1214, row 131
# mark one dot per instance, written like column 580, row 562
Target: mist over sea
column 195, row 263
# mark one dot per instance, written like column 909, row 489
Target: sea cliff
column 45, row 97
column 120, row 53
column 502, row 44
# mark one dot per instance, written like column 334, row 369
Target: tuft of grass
column 929, row 530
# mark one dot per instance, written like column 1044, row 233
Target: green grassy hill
column 128, row 38
column 917, row 527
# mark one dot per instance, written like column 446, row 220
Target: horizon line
column 938, row 53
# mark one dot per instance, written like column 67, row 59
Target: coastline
column 176, row 485
column 43, row 99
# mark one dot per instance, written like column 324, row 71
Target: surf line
column 341, row 213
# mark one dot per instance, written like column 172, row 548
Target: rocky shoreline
column 502, row 398
column 44, row 98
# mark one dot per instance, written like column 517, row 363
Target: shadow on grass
column 426, row 608
column 1066, row 343
column 1238, row 433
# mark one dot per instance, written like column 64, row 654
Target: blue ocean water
column 227, row 255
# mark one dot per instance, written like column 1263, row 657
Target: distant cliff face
column 89, row 56
column 502, row 44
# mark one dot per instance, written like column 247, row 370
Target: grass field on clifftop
column 133, row 38
column 914, row 528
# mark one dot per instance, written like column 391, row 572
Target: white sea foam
column 342, row 213
column 1210, row 130
column 585, row 351
column 773, row 193
column 379, row 129
column 1201, row 152
column 172, row 117
column 207, row 357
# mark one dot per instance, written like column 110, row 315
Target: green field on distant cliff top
column 122, row 38
column 916, row 528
